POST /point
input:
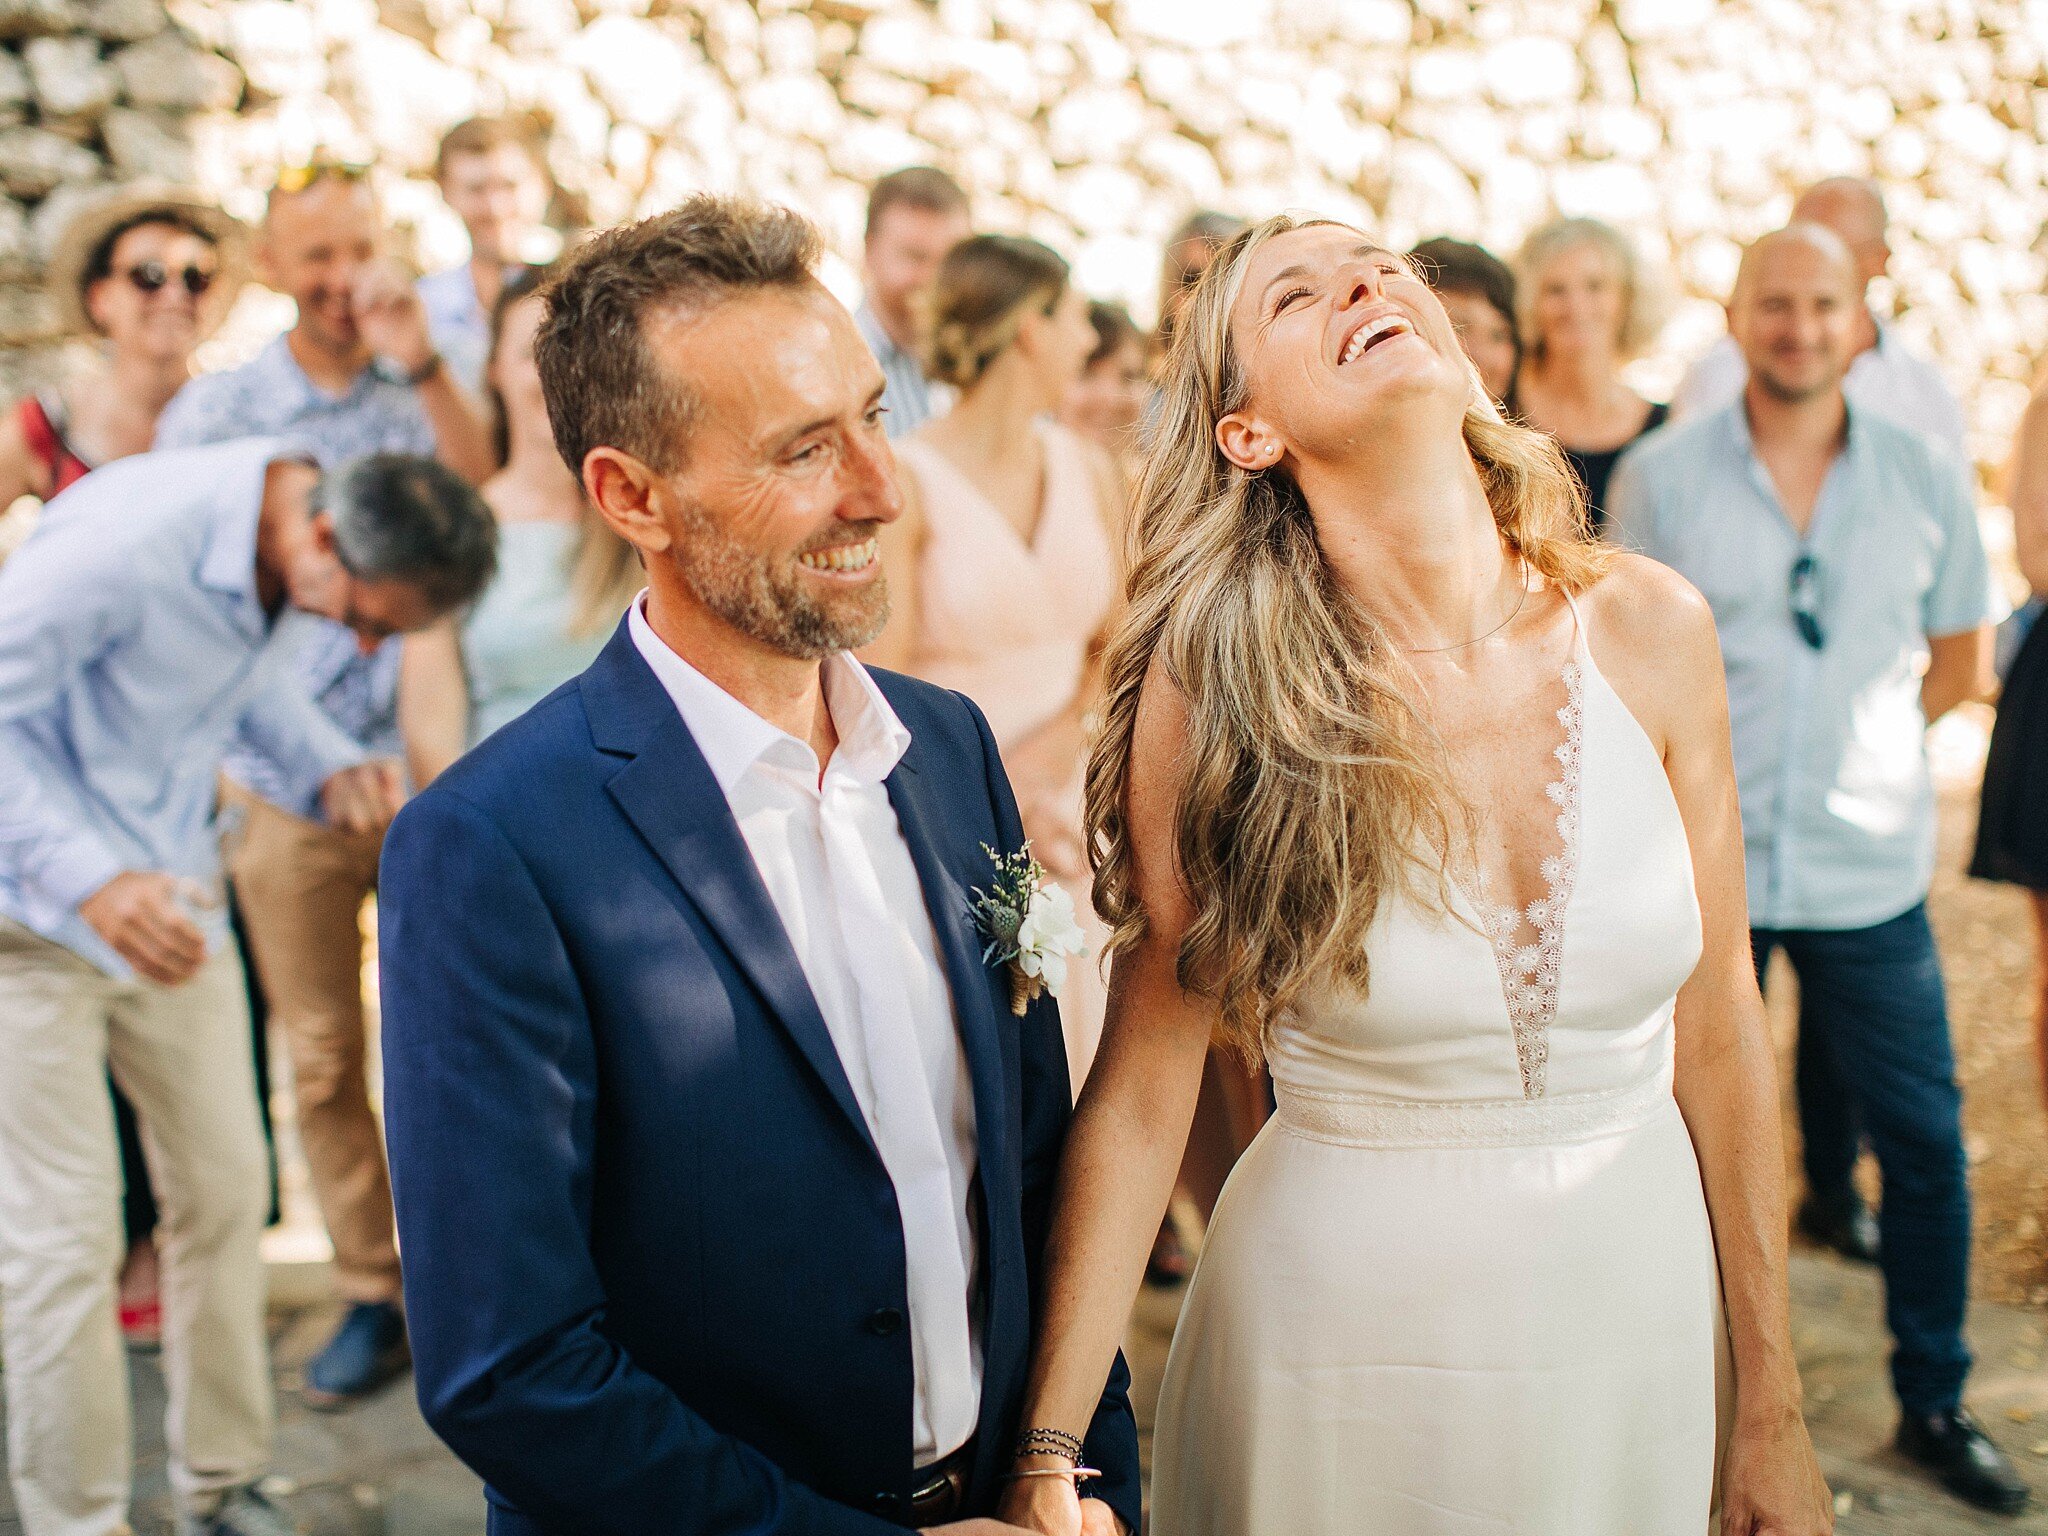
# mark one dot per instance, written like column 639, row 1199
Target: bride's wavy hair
column 1311, row 785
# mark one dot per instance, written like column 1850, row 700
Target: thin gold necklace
column 1515, row 613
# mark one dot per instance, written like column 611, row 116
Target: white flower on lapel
column 1029, row 924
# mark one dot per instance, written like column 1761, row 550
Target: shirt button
column 885, row 1321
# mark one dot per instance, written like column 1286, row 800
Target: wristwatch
column 391, row 373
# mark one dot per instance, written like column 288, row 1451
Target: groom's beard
column 767, row 597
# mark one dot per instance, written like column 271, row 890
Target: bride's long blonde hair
column 1309, row 781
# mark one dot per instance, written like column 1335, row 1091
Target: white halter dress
column 1464, row 1282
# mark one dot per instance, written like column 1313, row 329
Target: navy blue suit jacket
column 653, row 1263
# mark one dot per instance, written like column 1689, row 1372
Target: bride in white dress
column 1408, row 785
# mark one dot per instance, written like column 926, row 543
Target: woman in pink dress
column 1003, row 571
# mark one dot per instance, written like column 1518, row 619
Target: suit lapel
column 946, row 899
column 669, row 794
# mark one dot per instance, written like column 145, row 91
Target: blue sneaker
column 367, row 1350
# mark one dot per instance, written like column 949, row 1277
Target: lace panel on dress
column 1529, row 972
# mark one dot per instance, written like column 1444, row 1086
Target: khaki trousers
column 301, row 887
column 181, row 1055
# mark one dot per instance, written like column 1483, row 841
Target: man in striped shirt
column 915, row 216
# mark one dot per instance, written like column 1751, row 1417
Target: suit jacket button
column 885, row 1321
column 888, row 1503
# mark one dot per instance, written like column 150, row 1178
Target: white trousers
column 181, row 1055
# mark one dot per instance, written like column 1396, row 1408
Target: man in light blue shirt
column 1837, row 549
column 359, row 372
column 142, row 626
column 915, row 216
column 492, row 171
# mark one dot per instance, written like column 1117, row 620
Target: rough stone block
column 27, row 315
column 37, row 18
column 34, row 161
column 69, row 79
column 125, row 21
column 172, row 72
column 146, row 145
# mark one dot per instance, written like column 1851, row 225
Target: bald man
column 1884, row 375
column 1838, row 549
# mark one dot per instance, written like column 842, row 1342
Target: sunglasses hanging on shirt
column 1806, row 601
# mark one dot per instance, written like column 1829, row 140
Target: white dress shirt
column 1888, row 380
column 832, row 854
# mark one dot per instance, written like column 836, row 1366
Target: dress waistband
column 1354, row 1120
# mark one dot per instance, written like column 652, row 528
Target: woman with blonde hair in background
column 1410, row 788
column 1587, row 307
column 564, row 578
column 1003, row 572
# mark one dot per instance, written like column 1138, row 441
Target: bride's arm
column 1124, row 1148
column 1726, row 1082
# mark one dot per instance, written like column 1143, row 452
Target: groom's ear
column 626, row 494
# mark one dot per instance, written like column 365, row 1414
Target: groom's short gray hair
column 603, row 386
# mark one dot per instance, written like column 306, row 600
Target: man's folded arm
column 286, row 724
column 490, row 1106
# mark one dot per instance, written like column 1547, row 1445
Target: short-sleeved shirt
column 1838, row 809
column 910, row 398
column 1887, row 378
column 459, row 323
column 271, row 396
column 134, row 651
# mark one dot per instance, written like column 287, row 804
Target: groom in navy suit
column 722, row 1164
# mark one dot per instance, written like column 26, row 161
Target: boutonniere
column 1029, row 923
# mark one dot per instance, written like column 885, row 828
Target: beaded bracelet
column 1049, row 1442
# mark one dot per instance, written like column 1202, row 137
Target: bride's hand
column 1771, row 1483
column 1048, row 1506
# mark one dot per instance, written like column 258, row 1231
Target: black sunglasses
column 1806, row 601
column 152, row 276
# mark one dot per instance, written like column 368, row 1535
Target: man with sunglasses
column 357, row 373
column 147, row 621
column 1838, row 549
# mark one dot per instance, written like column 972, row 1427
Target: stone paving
column 377, row 1471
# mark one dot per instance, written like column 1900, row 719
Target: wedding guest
column 2012, row 823
column 1189, row 249
column 1477, row 290
column 150, row 271
column 492, row 171
column 1587, row 307
column 139, row 625
column 1413, row 789
column 357, row 373
column 564, row 577
column 1107, row 403
column 720, row 1150
column 1886, row 376
column 1836, row 549
column 915, row 216
column 1005, row 559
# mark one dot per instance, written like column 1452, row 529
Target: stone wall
column 1096, row 123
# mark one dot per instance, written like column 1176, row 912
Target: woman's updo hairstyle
column 985, row 287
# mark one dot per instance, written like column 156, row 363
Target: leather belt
column 939, row 1496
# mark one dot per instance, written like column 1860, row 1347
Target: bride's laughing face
column 1339, row 342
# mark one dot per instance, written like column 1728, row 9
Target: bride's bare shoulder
column 1653, row 635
